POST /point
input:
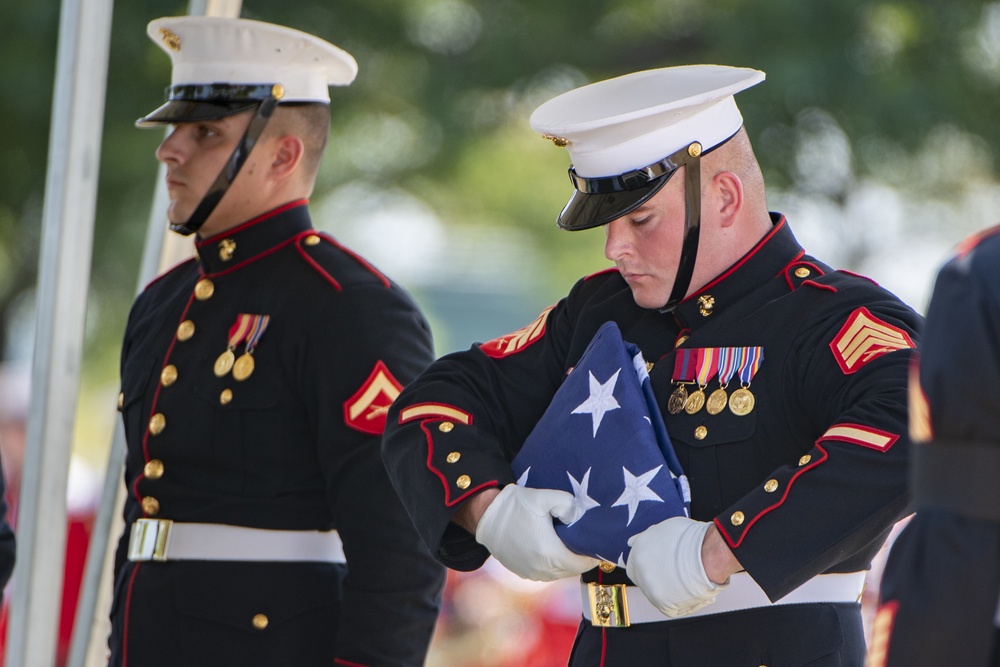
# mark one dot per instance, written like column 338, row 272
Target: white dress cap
column 209, row 50
column 615, row 126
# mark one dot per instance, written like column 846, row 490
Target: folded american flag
column 602, row 439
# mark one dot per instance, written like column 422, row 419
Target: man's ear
column 729, row 196
column 288, row 153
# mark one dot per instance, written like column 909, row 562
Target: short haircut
column 311, row 123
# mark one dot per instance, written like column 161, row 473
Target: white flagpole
column 61, row 298
column 162, row 250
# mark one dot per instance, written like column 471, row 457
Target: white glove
column 665, row 562
column 517, row 529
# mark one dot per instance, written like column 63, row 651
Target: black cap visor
column 187, row 111
column 196, row 102
column 598, row 201
column 588, row 210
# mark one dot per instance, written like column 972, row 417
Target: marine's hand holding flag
column 602, row 442
column 517, row 529
column 666, row 564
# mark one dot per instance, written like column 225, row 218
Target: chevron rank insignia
column 864, row 338
column 365, row 411
column 514, row 342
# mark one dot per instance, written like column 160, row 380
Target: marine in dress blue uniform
column 797, row 469
column 942, row 578
column 261, row 527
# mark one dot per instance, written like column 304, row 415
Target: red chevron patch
column 514, row 342
column 365, row 411
column 864, row 338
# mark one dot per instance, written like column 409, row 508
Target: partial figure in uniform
column 942, row 577
column 782, row 383
column 262, row 528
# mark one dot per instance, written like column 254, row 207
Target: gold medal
column 695, row 402
column 742, row 402
column 243, row 367
column 677, row 399
column 224, row 363
column 716, row 402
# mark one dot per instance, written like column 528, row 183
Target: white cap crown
column 614, row 126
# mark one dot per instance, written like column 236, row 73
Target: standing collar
column 765, row 260
column 234, row 247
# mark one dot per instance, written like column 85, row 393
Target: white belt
column 619, row 605
column 162, row 539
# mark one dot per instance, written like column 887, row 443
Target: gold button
column 260, row 621
column 801, row 272
column 204, row 289
column 607, row 566
column 463, row 482
column 121, row 400
column 681, row 341
column 153, row 469
column 185, row 330
column 445, row 427
column 150, row 505
column 805, row 459
column 706, row 304
column 157, row 423
column 737, row 518
column 226, row 397
column 312, row 239
column 771, row 485
column 700, row 433
column 453, row 457
column 168, row 375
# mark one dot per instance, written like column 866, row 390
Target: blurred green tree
column 898, row 93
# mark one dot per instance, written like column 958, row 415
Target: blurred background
column 875, row 129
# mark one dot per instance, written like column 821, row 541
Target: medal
column 741, row 402
column 694, row 402
column 677, row 399
column 706, row 371
column 237, row 332
column 716, row 402
column 224, row 363
column 728, row 359
column 243, row 367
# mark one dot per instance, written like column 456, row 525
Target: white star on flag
column 581, row 501
column 636, row 490
column 601, row 399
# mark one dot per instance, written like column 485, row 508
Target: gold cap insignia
column 171, row 39
column 561, row 142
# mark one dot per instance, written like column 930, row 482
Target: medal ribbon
column 260, row 323
column 707, row 367
column 750, row 363
column 239, row 330
column 686, row 364
column 729, row 357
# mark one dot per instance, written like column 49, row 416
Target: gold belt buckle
column 148, row 539
column 608, row 605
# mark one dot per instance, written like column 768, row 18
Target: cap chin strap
column 232, row 167
column 692, row 226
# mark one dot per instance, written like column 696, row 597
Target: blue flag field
column 602, row 439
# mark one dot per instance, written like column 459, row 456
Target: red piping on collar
column 168, row 271
column 743, row 260
column 613, row 269
column 251, row 223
